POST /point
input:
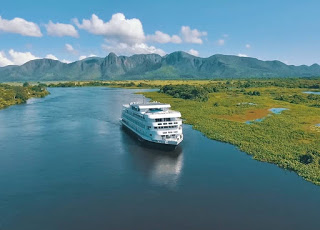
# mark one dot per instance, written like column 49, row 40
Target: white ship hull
column 153, row 123
column 144, row 138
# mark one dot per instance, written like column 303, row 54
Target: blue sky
column 288, row 31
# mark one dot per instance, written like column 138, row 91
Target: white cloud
column 51, row 56
column 192, row 36
column 69, row 48
column 126, row 49
column 20, row 26
column 65, row 61
column 221, row 42
column 4, row 61
column 248, row 46
column 242, row 55
column 19, row 58
column 118, row 28
column 193, row 52
column 60, row 30
column 161, row 37
column 84, row 56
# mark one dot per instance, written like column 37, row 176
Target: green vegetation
column 290, row 139
column 119, row 84
column 14, row 94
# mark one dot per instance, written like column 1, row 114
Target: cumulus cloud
column 248, row 46
column 60, row 30
column 20, row 26
column 19, row 58
column 4, row 61
column 193, row 52
column 221, row 42
column 126, row 49
column 161, row 37
column 51, row 56
column 118, row 28
column 65, row 61
column 84, row 56
column 192, row 36
column 69, row 48
column 242, row 55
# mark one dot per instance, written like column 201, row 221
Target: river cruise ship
column 153, row 122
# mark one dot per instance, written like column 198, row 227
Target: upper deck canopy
column 151, row 105
column 153, row 109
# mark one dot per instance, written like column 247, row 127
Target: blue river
column 65, row 163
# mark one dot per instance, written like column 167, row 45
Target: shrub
column 306, row 159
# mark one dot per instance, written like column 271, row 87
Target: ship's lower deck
column 161, row 144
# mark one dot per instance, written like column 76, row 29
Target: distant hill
column 177, row 65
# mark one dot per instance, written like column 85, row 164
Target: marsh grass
column 285, row 139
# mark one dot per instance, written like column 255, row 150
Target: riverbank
column 16, row 94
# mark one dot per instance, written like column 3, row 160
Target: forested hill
column 177, row 65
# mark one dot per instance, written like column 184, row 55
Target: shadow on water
column 161, row 166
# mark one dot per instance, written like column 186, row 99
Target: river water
column 65, row 163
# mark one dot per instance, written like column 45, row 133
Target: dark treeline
column 200, row 92
column 101, row 83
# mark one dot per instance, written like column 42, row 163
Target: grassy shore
column 18, row 94
column 290, row 139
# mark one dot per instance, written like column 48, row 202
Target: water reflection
column 160, row 166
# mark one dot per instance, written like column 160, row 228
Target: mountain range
column 177, row 65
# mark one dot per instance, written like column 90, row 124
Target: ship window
column 159, row 123
column 164, row 132
column 155, row 127
column 176, row 123
column 158, row 119
column 164, row 123
column 170, row 123
column 167, row 119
